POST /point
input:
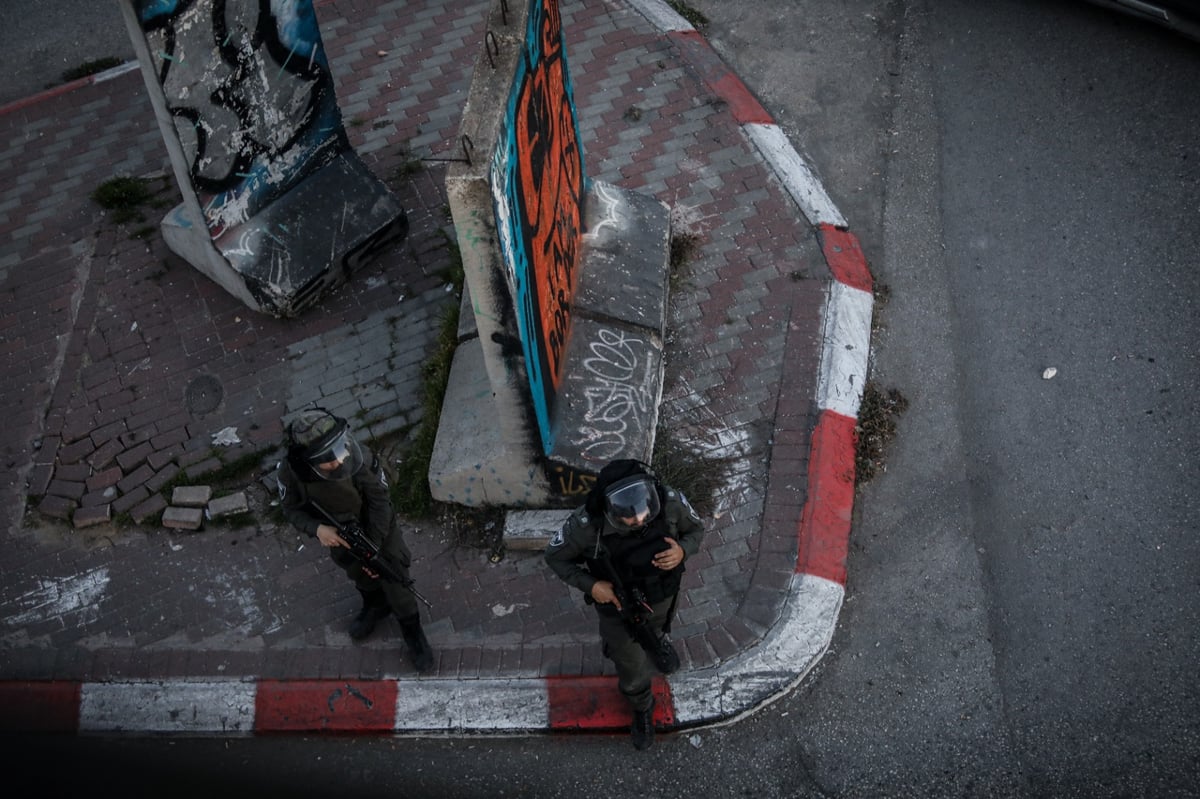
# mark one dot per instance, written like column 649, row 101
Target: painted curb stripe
column 32, row 706
column 174, row 707
column 845, row 257
column 767, row 671
column 696, row 50
column 55, row 91
column 595, row 703
column 797, row 177
column 846, row 341
column 325, row 705
column 453, row 705
column 825, row 520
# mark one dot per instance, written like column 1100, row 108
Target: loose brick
column 162, row 477
column 39, row 479
column 137, row 478
column 183, row 518
column 224, row 506
column 147, row 510
column 106, row 478
column 73, row 453
column 66, row 488
column 91, row 516
column 127, row 501
column 74, row 472
column 132, row 458
column 93, row 498
column 191, row 496
column 203, row 467
column 105, row 453
column 56, row 507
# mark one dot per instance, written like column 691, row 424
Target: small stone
column 1049, row 372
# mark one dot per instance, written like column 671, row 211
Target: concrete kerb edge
column 70, row 86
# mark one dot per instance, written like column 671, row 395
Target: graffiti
column 566, row 481
column 248, row 85
column 538, row 185
column 616, row 398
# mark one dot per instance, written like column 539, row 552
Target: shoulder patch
column 691, row 511
column 557, row 540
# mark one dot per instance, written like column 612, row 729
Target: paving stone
column 183, row 518
column 89, row 516
column 104, row 479
column 148, row 509
column 65, row 488
column 224, row 506
column 57, row 507
column 191, row 496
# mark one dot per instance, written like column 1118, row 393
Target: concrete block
column 191, row 496
column 183, row 518
column 225, row 506
column 532, row 529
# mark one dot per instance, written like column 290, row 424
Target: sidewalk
column 120, row 364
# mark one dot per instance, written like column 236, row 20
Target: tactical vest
column 632, row 557
column 339, row 497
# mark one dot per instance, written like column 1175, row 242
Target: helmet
column 324, row 442
column 631, row 503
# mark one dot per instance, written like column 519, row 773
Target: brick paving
column 121, row 363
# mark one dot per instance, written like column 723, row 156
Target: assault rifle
column 635, row 612
column 369, row 554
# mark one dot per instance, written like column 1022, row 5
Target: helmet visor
column 631, row 504
column 338, row 458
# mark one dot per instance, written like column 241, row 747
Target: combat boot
column 643, row 727
column 374, row 609
column 418, row 645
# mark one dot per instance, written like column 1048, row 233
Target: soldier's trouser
column 635, row 670
column 399, row 598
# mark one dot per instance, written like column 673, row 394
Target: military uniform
column 588, row 543
column 328, row 472
column 362, row 498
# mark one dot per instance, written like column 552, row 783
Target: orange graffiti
column 550, row 188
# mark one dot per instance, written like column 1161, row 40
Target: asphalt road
column 41, row 41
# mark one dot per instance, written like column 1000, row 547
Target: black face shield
column 632, row 503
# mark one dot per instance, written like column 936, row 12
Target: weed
column 410, row 490
column 875, row 429
column 694, row 475
column 683, row 249
column 695, row 18
column 124, row 196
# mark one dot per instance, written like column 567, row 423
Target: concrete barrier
column 560, row 362
column 277, row 208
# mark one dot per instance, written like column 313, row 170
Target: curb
column 55, row 91
column 719, row 695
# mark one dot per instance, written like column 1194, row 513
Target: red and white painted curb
column 723, row 693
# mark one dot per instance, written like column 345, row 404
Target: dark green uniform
column 575, row 554
column 362, row 497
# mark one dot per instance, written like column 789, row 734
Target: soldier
column 624, row 548
column 326, row 471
